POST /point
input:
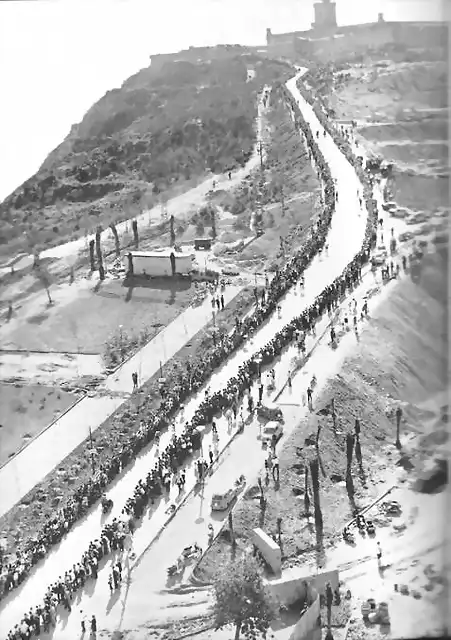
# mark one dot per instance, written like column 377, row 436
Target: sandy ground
column 40, row 368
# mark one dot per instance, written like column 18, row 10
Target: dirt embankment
column 400, row 360
column 402, row 113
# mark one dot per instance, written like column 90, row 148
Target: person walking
column 211, row 456
column 309, row 397
column 289, row 382
column 222, row 302
column 83, row 622
column 379, row 553
column 93, row 625
column 135, row 380
column 275, row 469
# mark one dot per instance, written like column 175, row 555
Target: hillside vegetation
column 165, row 125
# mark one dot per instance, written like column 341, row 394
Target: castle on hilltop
column 325, row 41
column 328, row 41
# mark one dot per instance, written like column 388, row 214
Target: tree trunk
column 232, row 533
column 171, row 231
column 91, row 255
column 237, row 630
column 349, row 451
column 306, row 495
column 116, row 239
column 99, row 254
column 135, row 233
column 358, row 450
column 48, row 294
column 315, row 485
column 130, row 267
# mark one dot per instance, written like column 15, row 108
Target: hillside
column 167, row 124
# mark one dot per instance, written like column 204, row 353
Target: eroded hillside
column 169, row 124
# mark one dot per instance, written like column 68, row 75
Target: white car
column 222, row 501
column 271, row 429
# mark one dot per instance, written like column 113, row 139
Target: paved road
column 22, row 473
column 344, row 240
column 190, row 524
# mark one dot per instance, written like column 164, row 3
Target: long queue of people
column 15, row 569
column 181, row 447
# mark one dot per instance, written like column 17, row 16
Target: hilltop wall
column 357, row 39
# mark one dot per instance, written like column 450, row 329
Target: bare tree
column 117, row 245
column 91, row 255
column 99, row 254
column 43, row 275
column 171, row 230
column 135, row 233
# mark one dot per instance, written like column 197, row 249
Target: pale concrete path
column 42, row 455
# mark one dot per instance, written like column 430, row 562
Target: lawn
column 84, row 324
column 26, row 410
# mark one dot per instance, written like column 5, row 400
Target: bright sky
column 58, row 57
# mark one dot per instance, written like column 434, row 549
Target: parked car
column 270, row 430
column 222, row 501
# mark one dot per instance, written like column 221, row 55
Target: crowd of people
column 174, row 393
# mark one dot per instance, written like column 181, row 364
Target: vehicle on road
column 271, row 429
column 222, row 501
column 270, row 412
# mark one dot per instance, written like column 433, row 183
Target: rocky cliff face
column 171, row 122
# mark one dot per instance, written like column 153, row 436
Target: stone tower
column 325, row 15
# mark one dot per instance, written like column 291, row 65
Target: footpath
column 344, row 240
column 31, row 465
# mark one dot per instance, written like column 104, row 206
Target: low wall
column 289, row 589
column 309, row 625
column 268, row 548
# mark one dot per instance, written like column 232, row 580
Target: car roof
column 272, row 425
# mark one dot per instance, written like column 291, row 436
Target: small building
column 154, row 264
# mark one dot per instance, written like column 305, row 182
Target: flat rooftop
column 164, row 253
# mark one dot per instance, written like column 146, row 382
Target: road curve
column 344, row 241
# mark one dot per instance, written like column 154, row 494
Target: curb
column 178, row 507
column 74, row 404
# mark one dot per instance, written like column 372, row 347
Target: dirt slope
column 168, row 123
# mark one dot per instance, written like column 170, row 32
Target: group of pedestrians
column 189, row 378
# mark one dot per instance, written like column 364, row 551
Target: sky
column 58, row 57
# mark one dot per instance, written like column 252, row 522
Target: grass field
column 25, row 411
column 84, row 324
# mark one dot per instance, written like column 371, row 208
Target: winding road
column 142, row 595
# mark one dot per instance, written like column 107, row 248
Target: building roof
column 164, row 253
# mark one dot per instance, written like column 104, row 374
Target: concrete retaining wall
column 290, row 588
column 309, row 626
